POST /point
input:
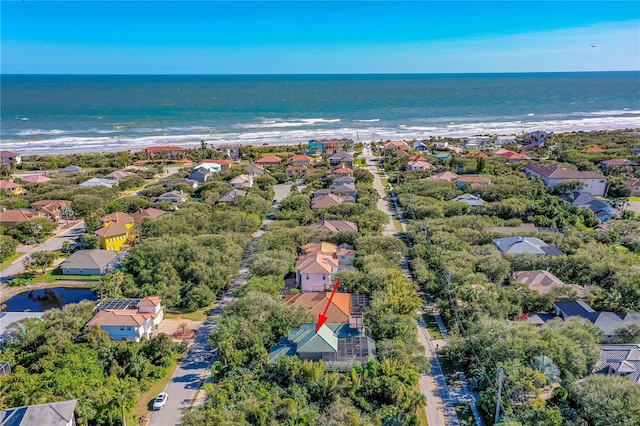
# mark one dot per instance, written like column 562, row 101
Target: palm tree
column 545, row 365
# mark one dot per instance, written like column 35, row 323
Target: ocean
column 80, row 113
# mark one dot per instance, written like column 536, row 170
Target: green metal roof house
column 337, row 344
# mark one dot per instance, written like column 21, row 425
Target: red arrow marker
column 322, row 318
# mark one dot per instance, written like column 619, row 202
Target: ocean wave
column 373, row 120
column 276, row 123
column 417, row 129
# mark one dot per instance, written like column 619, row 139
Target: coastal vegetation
column 58, row 358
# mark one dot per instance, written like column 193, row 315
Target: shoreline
column 188, row 141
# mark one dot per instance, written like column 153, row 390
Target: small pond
column 47, row 298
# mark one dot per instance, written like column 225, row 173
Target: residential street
column 195, row 367
column 439, row 406
column 52, row 244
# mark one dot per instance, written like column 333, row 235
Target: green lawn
column 145, row 404
column 9, row 260
column 432, row 326
column 360, row 162
column 634, row 198
column 56, row 275
column 199, row 315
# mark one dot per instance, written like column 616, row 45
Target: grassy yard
column 634, row 198
column 432, row 326
column 9, row 260
column 384, row 180
column 464, row 415
column 361, row 162
column 199, row 315
column 145, row 401
column 56, row 274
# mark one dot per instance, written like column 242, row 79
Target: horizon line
column 318, row 74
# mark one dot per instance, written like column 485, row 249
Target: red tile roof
column 8, row 154
column 150, row 212
column 269, row 159
column 594, row 149
column 36, row 179
column 339, row 309
column 8, row 184
column 150, row 301
column 118, row 217
column 111, row 230
column 16, row 216
column 123, row 317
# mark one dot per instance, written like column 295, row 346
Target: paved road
column 54, row 243
column 439, row 406
column 195, row 368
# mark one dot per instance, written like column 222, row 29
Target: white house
column 595, row 183
column 8, row 157
column 314, row 272
column 241, row 181
column 129, row 319
column 61, row 413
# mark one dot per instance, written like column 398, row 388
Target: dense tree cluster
column 58, row 358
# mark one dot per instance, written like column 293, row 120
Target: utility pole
column 500, row 371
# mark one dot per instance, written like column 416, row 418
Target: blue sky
column 262, row 37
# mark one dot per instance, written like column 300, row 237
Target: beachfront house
column 201, row 174
column 301, row 160
column 129, row 319
column 10, row 159
column 117, row 231
column 170, row 152
column 595, row 183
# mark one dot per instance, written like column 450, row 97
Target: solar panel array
column 119, row 304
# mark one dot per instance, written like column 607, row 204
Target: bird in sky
column 591, row 45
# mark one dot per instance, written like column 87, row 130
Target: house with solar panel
column 338, row 345
column 129, row 319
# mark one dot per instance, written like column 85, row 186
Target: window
column 307, row 276
column 122, row 327
column 129, row 327
column 324, row 277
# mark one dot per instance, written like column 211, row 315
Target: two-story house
column 301, row 160
column 595, row 183
column 129, row 319
column 341, row 157
column 116, row 232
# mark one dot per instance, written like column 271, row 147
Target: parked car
column 160, row 401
